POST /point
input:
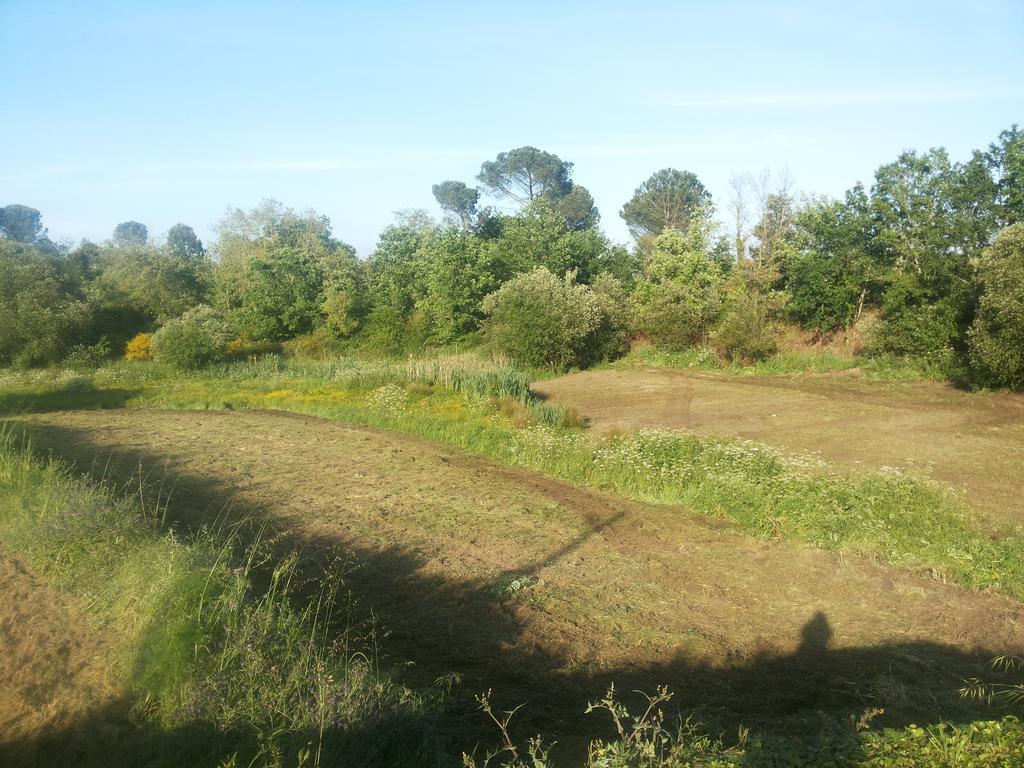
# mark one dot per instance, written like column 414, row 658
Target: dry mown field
column 546, row 591
column 971, row 442
column 54, row 667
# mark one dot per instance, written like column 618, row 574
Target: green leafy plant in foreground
column 645, row 738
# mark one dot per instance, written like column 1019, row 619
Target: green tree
column 537, row 237
column 917, row 324
column 183, row 243
column 21, row 223
column 151, row 283
column 996, row 339
column 577, row 208
column 43, row 312
column 526, row 173
column 396, row 272
column 255, row 249
column 1005, row 159
column 832, row 269
column 926, row 217
column 283, row 296
column 612, row 336
column 748, row 328
column 680, row 296
column 460, row 271
column 929, row 217
column 458, row 200
column 129, row 233
column 669, row 199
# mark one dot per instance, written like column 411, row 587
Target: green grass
column 223, row 661
column 881, row 368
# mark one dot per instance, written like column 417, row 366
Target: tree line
column 931, row 253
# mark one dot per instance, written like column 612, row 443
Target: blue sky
column 166, row 112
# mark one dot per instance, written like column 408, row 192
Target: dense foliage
column 194, row 340
column 929, row 253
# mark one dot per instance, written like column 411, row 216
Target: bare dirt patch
column 973, row 443
column 546, row 591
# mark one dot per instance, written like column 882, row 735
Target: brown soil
column 625, row 592
column 972, row 442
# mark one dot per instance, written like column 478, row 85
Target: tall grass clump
column 220, row 652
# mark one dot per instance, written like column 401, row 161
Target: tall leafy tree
column 184, row 244
column 43, row 312
column 459, row 273
column 681, row 293
column 577, row 208
column 537, row 237
column 458, row 200
column 669, row 199
column 255, row 247
column 525, row 174
column 921, row 220
column 833, row 269
column 996, row 339
column 21, row 223
column 1005, row 158
column 130, row 233
column 140, row 286
column 283, row 295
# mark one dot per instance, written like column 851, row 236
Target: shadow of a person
column 815, row 636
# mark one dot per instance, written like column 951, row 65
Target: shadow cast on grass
column 112, row 737
column 799, row 704
column 80, row 395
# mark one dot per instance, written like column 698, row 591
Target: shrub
column 86, row 356
column 996, row 340
column 339, row 310
column 318, row 345
column 611, row 339
column 670, row 317
column 140, row 347
column 747, row 332
column 538, row 319
column 195, row 340
column 916, row 326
